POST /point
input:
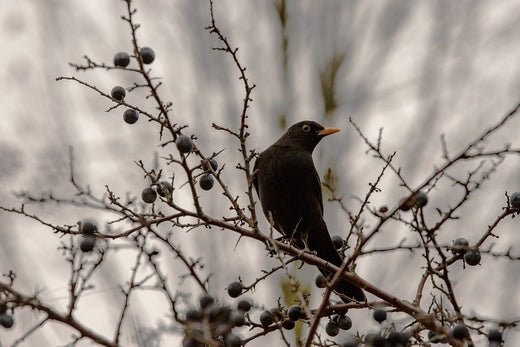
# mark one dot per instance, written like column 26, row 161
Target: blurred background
column 416, row 69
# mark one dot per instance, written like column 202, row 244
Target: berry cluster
column 118, row 93
column 216, row 321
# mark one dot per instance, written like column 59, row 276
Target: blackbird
column 289, row 189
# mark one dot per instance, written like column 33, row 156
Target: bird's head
column 306, row 134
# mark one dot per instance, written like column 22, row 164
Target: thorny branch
column 141, row 225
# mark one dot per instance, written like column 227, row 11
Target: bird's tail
column 320, row 242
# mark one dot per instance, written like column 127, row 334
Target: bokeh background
column 416, row 69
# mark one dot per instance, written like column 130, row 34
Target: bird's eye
column 306, row 128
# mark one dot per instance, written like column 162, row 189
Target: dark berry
column 344, row 322
column 121, row 59
column 288, row 324
column 234, row 289
column 88, row 227
column 190, row 342
column 147, row 54
column 379, row 315
column 460, row 332
column 266, row 318
column 148, row 195
column 377, row 340
column 406, row 204
column 494, row 335
column 238, row 319
column 332, row 329
column 295, row 312
column 515, row 200
column 206, row 182
column 321, row 281
column 472, row 257
column 130, row 116
column 6, row 320
column 349, row 343
column 184, row 144
column 337, row 241
column 219, row 313
column 420, row 199
column 193, row 315
column 232, row 340
column 205, row 300
column 212, row 162
column 460, row 245
column 244, row 305
column 118, row 93
column 164, row 189
column 394, row 338
column 87, row 243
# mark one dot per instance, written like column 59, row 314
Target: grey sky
column 418, row 69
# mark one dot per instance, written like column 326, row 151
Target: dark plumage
column 289, row 189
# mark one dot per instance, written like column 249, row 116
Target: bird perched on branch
column 289, row 189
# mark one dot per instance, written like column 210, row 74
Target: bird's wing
column 255, row 178
column 317, row 188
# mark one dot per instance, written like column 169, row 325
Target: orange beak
column 328, row 131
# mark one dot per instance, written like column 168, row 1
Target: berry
column 206, row 182
column 234, row 289
column 494, row 335
column 460, row 245
column 288, row 324
column 332, row 329
column 189, row 342
column 266, row 318
column 379, row 315
column 320, row 281
column 118, row 93
column 459, row 331
column 88, row 227
column 244, row 305
column 87, row 243
column 148, row 195
column 337, row 241
column 295, row 312
column 184, row 144
column 349, row 343
column 406, row 204
column 147, row 54
column 205, row 300
column 515, row 200
column 238, row 319
column 164, row 189
column 6, row 320
column 212, row 162
column 130, row 116
column 394, row 338
column 377, row 340
column 232, row 340
column 420, row 199
column 193, row 315
column 121, row 59
column 344, row 322
column 219, row 314
column 472, row 257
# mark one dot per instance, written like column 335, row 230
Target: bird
column 289, row 190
